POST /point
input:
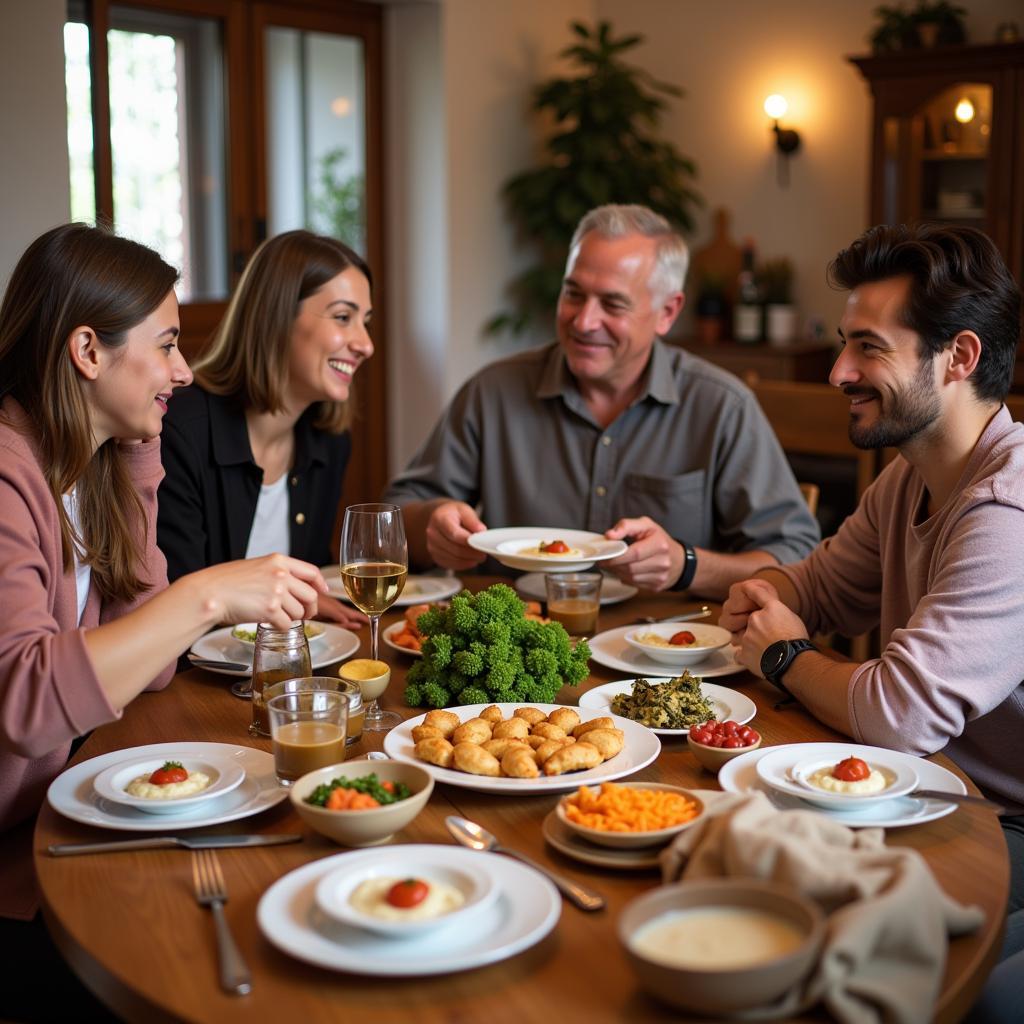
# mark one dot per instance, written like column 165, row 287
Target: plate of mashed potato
column 846, row 775
column 546, row 548
column 168, row 785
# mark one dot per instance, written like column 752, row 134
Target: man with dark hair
column 933, row 554
column 610, row 430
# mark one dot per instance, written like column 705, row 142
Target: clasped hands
column 757, row 618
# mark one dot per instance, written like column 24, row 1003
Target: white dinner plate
column 739, row 775
column 727, row 704
column 610, row 648
column 72, row 793
column 527, row 908
column 312, row 626
column 641, row 748
column 613, row 590
column 224, row 773
column 336, row 644
column 506, row 544
column 787, row 768
column 387, row 634
column 417, row 589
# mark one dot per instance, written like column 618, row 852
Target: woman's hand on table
column 330, row 609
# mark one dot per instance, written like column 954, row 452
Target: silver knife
column 957, row 798
column 213, row 663
column 166, row 842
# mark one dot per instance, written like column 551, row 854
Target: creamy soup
column 877, row 781
column 654, row 640
column 370, row 898
column 713, row 938
column 146, row 790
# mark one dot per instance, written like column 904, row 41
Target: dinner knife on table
column 167, row 842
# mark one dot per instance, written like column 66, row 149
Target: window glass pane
column 167, row 124
column 78, row 83
column 316, row 134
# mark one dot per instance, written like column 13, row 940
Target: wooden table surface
column 131, row 929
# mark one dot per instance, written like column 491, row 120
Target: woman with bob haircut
column 88, row 364
column 255, row 451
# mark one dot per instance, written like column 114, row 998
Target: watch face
column 774, row 657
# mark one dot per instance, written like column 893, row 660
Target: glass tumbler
column 280, row 654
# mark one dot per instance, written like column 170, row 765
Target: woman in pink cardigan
column 88, row 362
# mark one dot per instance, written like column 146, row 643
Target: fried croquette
column 446, row 721
column 532, row 715
column 514, row 728
column 518, row 762
column 435, row 751
column 565, row 718
column 572, row 758
column 476, row 730
column 594, row 723
column 549, row 731
column 492, row 714
column 609, row 741
column 547, row 748
column 497, row 747
column 426, row 732
column 472, row 758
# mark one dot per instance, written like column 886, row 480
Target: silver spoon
column 470, row 834
column 702, row 613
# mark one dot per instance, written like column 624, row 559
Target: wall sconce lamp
column 787, row 141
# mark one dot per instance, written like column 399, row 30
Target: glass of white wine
column 374, row 565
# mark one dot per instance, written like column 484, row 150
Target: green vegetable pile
column 482, row 650
column 364, row 784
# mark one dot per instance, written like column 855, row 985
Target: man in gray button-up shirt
column 611, row 430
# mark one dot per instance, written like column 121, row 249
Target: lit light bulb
column 964, row 111
column 775, row 106
column 341, row 106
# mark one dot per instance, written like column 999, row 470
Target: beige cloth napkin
column 888, row 919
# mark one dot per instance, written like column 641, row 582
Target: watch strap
column 689, row 567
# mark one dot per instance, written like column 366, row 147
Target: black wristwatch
column 689, row 567
column 777, row 658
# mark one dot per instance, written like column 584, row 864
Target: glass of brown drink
column 279, row 654
column 307, row 731
column 573, row 600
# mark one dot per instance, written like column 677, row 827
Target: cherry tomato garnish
column 407, row 893
column 851, row 769
column 730, row 728
column 682, row 638
column 556, row 547
column 172, row 771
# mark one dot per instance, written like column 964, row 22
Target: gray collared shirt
column 694, row 452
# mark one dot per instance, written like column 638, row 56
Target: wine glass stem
column 374, row 625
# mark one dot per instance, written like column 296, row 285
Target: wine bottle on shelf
column 747, row 313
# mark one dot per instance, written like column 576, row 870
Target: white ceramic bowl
column 335, row 889
column 900, row 779
column 224, row 774
column 632, row 840
column 709, row 639
column 314, row 632
column 369, row 827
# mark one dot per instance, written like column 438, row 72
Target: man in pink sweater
column 934, row 554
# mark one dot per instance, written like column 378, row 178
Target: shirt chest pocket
column 676, row 503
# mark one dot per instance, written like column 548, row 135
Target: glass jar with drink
column 279, row 654
column 307, row 731
column 574, row 599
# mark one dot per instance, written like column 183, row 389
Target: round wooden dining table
column 131, row 929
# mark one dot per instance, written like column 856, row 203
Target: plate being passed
column 417, row 589
column 641, row 748
column 73, row 794
column 611, row 649
column 727, row 704
column 224, row 773
column 335, row 644
column 558, row 835
column 517, row 547
column 613, row 590
column 393, row 630
column 527, row 908
column 740, row 776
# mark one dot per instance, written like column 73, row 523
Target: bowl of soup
column 720, row 946
column 678, row 643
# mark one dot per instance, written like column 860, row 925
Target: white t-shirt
column 83, row 573
column 269, row 532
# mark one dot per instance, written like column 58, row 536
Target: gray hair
column 672, row 257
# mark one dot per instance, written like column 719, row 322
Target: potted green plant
column 939, row 24
column 775, row 279
column 604, row 149
column 894, row 30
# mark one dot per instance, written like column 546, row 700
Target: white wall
column 34, row 191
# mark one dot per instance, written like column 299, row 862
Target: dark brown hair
column 75, row 276
column 959, row 282
column 248, row 357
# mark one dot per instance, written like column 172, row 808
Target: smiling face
column 330, row 340
column 130, row 385
column 607, row 318
column 893, row 390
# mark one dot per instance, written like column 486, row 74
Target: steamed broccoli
column 481, row 649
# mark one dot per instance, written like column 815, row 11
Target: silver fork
column 210, row 890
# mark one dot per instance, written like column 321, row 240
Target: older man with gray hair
column 611, row 430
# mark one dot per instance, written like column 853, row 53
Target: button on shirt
column 694, row 452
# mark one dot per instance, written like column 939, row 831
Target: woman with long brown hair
column 255, row 451
column 88, row 364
